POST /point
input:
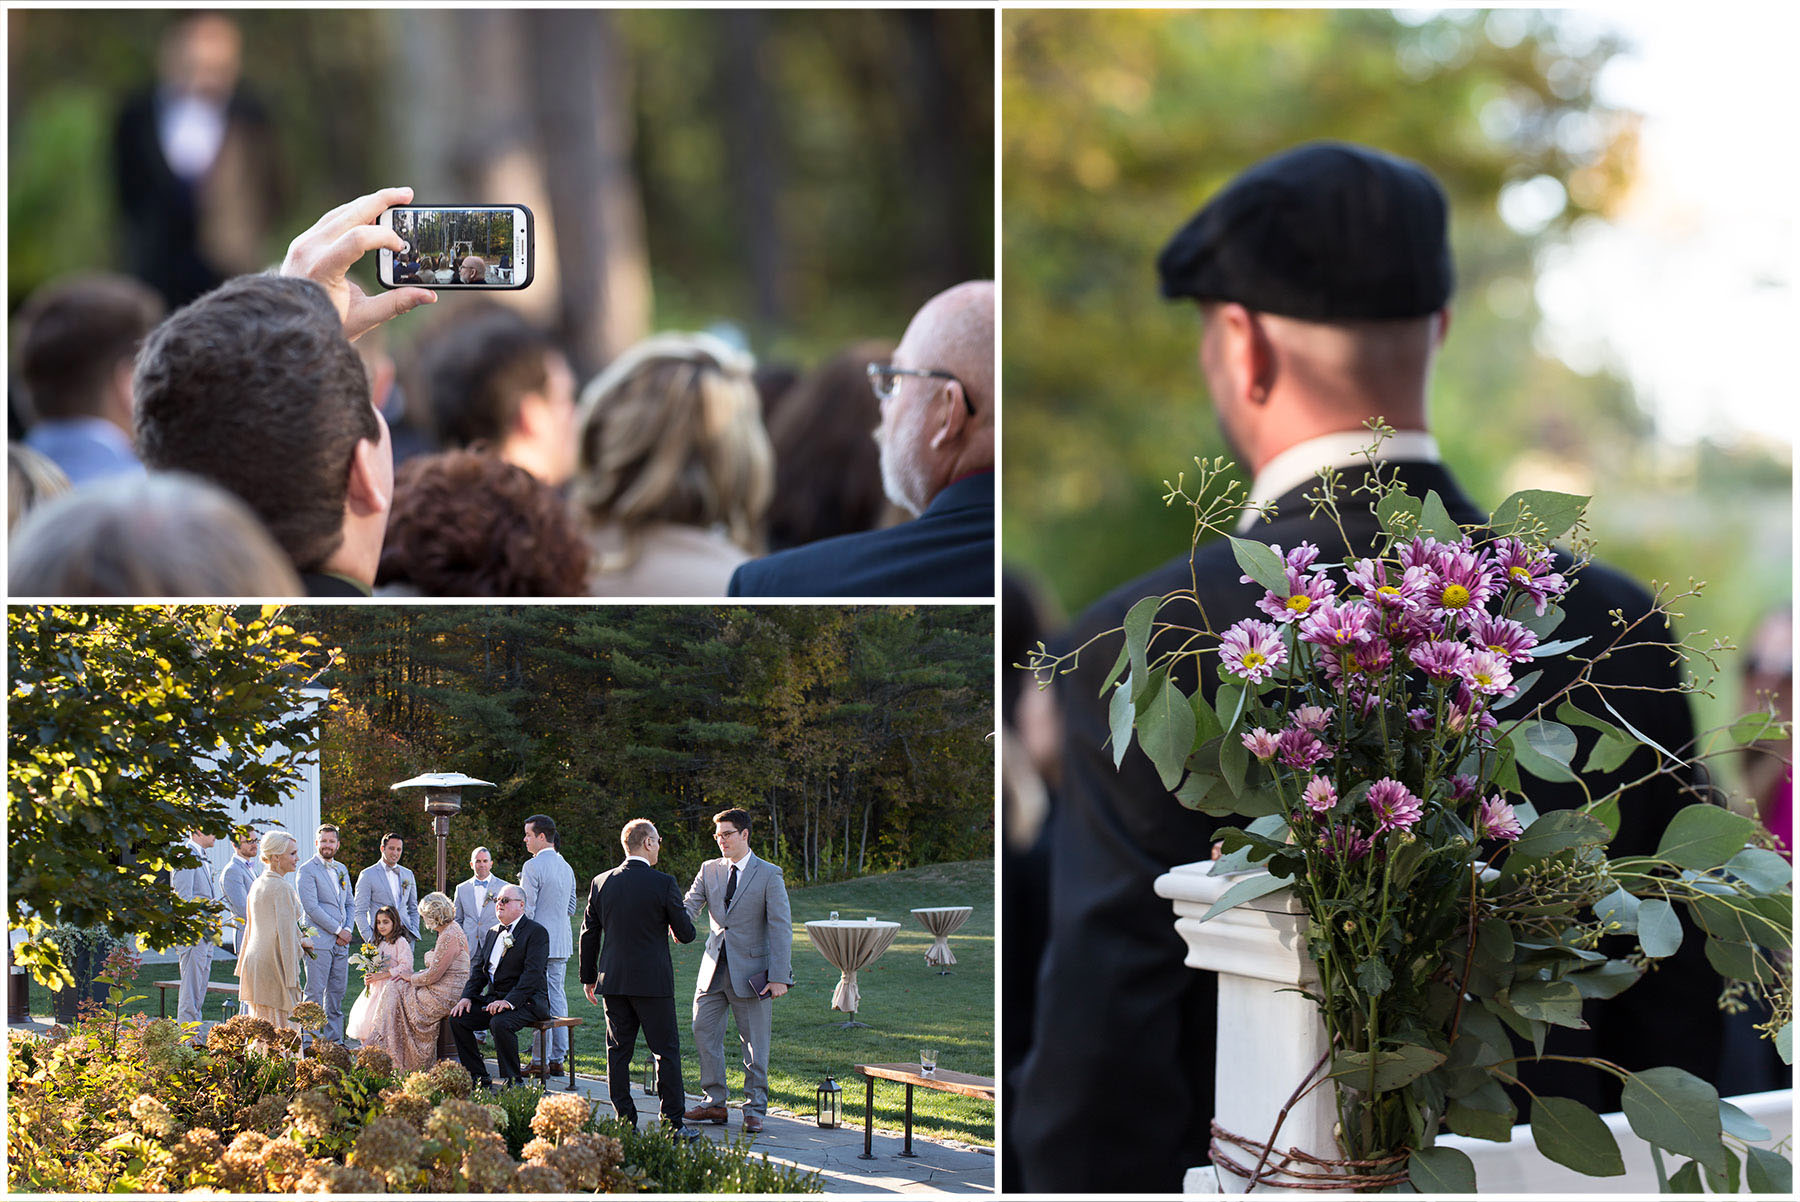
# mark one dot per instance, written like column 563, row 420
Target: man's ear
column 955, row 418
column 364, row 494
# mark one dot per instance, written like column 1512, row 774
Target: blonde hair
column 276, row 843
column 437, row 910
column 32, row 478
column 672, row 431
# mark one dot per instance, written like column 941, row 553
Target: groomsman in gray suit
column 549, row 885
column 387, row 883
column 239, row 875
column 475, row 898
column 195, row 884
column 748, row 963
column 325, row 895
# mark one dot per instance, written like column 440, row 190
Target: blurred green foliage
column 1118, row 125
column 849, row 97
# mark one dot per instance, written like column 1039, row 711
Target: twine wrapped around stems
column 1331, row 1174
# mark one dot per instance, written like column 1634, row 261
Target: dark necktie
column 731, row 886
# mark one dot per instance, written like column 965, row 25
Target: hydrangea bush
column 123, row 1104
column 1368, row 725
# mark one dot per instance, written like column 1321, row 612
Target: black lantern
column 831, row 1103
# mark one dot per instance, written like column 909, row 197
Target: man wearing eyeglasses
column 937, row 463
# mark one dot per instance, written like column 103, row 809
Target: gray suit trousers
column 196, row 971
column 556, row 978
column 753, row 1024
column 327, row 976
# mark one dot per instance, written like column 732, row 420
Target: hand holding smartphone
column 461, row 247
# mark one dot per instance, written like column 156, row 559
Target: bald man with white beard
column 937, row 463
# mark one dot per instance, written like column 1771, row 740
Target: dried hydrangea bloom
column 283, row 1161
column 333, row 1053
column 538, row 1179
column 486, row 1167
column 537, row 1150
column 456, row 1119
column 375, row 1062
column 409, row 1108
column 451, row 1079
column 326, row 1177
column 309, row 1016
column 388, row 1147
column 153, row 1118
column 560, row 1114
column 314, row 1113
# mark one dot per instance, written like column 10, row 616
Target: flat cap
column 1327, row 231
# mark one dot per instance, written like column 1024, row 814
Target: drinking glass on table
column 928, row 1062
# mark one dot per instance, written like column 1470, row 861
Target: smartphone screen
column 458, row 247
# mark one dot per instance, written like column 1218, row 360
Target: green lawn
column 906, row 1004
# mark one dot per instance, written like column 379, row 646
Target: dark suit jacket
column 947, row 551
column 630, row 911
column 519, row 977
column 1119, row 1015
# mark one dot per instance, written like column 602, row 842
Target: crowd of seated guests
column 272, row 471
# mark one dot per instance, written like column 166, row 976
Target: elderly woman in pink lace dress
column 406, row 1021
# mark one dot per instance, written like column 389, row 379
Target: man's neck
column 737, row 863
column 1299, row 464
column 482, row 877
column 638, row 858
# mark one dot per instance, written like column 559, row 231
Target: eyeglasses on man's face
column 884, row 378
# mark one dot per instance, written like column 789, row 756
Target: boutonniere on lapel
column 493, row 895
column 506, row 941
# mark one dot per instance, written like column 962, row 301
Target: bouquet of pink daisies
column 1365, row 727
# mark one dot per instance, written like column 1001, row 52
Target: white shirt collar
column 639, row 859
column 741, row 861
column 1301, row 462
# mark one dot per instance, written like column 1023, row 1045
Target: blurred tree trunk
column 753, row 159
column 580, row 79
column 933, row 109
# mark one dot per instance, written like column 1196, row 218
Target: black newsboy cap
column 1324, row 232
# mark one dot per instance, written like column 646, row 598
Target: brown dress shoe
column 555, row 1069
column 752, row 1122
column 706, row 1114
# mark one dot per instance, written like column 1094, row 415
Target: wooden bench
column 163, row 987
column 943, row 1080
column 538, row 1031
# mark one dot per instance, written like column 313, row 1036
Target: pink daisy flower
column 1304, row 594
column 1395, row 807
column 1441, row 660
column 1344, row 843
column 1488, row 673
column 1426, row 553
column 1419, row 718
column 1301, row 749
column 1463, row 585
column 1261, row 743
column 1313, row 718
column 1462, row 786
column 1502, row 636
column 1495, row 820
column 1529, row 571
column 1320, row 795
column 1252, row 650
column 1405, row 591
column 1331, row 624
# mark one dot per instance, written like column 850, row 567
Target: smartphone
column 461, row 247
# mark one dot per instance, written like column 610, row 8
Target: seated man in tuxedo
column 505, row 990
column 631, row 912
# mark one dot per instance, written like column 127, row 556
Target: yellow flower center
column 1521, row 574
column 1455, row 597
column 1299, row 603
column 1254, row 659
column 1484, row 678
column 1389, row 589
column 1496, row 648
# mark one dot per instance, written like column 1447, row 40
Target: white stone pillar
column 1268, row 1041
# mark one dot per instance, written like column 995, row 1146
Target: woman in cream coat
column 269, row 967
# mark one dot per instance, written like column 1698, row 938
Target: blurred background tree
column 1119, row 125
column 810, row 177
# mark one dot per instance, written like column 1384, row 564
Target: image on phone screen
column 467, row 246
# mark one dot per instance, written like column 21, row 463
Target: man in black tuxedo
column 631, row 912
column 1323, row 277
column 506, row 989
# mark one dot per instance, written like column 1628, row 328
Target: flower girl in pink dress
column 392, row 952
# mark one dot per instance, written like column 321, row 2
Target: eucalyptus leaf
column 1735, row 1121
column 1261, row 564
column 1605, row 980
column 1542, row 624
column 1479, row 1124
column 1436, row 521
column 1738, row 961
column 1441, row 1171
column 1784, row 1043
column 1544, row 748
column 1558, row 831
column 1118, row 667
column 1768, row 921
column 1659, row 930
column 1761, row 869
column 1752, row 727
column 1557, row 1002
column 1573, row 1136
column 1726, row 1182
column 1767, row 1172
column 1674, row 1109
column 1520, row 687
column 1547, row 513
column 1138, row 620
column 1686, row 1180
column 1204, row 791
column 1229, row 705
column 1118, row 718
column 1166, row 732
column 1704, row 836
column 1234, row 763
column 1398, row 512
column 1248, row 889
column 1206, row 722
column 1394, row 1066
column 1619, row 910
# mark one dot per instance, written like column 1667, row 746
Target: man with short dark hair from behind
column 494, row 378
column 256, row 387
column 78, row 337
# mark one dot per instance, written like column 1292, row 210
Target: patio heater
column 443, row 797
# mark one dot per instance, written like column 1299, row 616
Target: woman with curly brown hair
column 674, row 471
column 466, row 524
